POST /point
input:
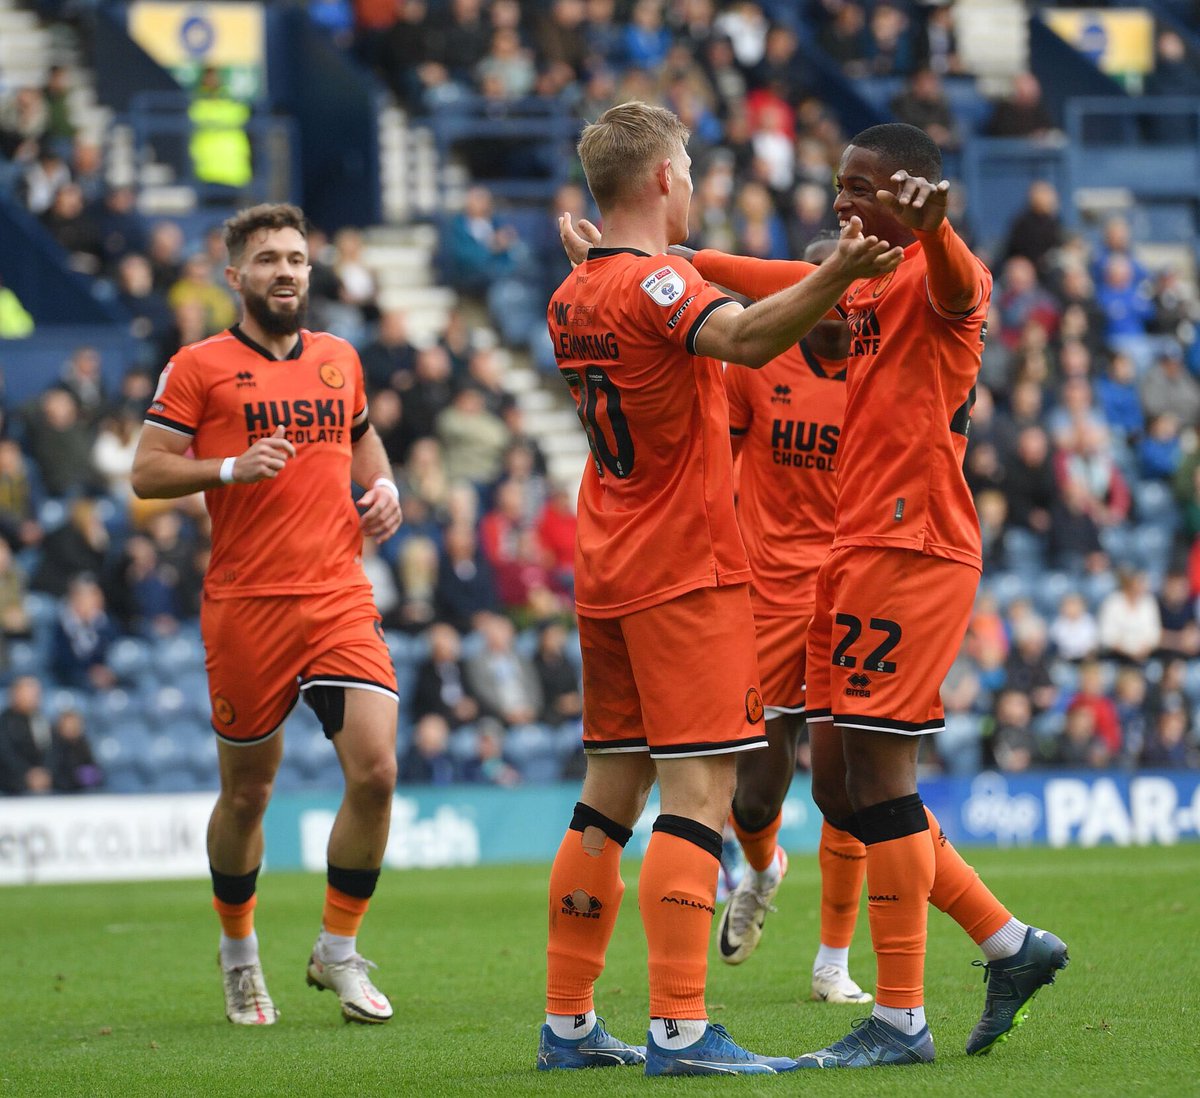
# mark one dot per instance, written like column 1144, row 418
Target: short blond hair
column 624, row 143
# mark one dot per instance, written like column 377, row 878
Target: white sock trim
column 1005, row 942
column 831, row 956
column 335, row 948
column 571, row 1027
column 677, row 1033
column 908, row 1020
column 238, row 952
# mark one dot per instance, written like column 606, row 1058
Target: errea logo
column 664, row 286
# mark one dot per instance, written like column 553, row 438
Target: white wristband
column 226, row 473
column 389, row 485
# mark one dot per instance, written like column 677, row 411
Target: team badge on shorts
column 331, row 375
column 754, row 705
column 223, row 709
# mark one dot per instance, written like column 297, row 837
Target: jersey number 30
column 598, row 404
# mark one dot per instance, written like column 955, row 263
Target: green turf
column 113, row 989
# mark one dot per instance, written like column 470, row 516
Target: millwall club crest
column 665, row 286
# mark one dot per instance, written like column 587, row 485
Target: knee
column 247, row 799
column 754, row 809
column 372, row 780
column 831, row 799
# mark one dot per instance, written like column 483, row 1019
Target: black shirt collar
column 294, row 353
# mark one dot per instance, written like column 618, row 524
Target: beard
column 273, row 322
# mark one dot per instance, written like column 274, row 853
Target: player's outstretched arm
column 955, row 282
column 162, row 468
column 756, row 335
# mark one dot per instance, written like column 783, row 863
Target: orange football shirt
column 910, row 387
column 788, row 416
column 298, row 532
column 655, row 516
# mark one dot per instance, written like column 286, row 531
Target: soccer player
column 670, row 680
column 269, row 420
column 785, row 420
column 896, row 592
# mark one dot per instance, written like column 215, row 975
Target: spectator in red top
column 556, row 535
column 1090, row 695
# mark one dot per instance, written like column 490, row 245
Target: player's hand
column 264, row 460
column 577, row 239
column 916, row 202
column 381, row 516
column 864, row 256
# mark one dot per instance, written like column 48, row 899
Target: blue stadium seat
column 1155, row 504
column 527, row 742
column 122, row 762
column 177, row 654
column 24, row 659
column 1024, row 551
column 1154, row 551
column 131, row 660
column 202, row 758
column 1049, row 592
column 464, row 744
column 308, row 751
column 1006, row 587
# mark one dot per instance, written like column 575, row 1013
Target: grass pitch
column 113, row 990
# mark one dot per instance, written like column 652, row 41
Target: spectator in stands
column 1167, row 746
column 1174, row 74
column 923, row 104
column 1126, row 306
column 14, row 611
column 1027, row 667
column 56, row 94
column 1029, row 482
column 145, row 596
column 42, row 177
column 559, row 35
column 1129, row 697
column 1177, row 613
column 24, row 119
column 441, row 686
column 504, row 681
column 358, row 280
column 558, row 674
column 937, row 42
column 1074, row 632
column 389, row 360
column 757, row 226
column 893, row 48
column 417, row 567
column 1022, row 113
column 1080, row 747
column 1085, row 457
column 507, row 71
column 1168, row 388
column 152, row 316
column 1038, row 228
column 428, row 760
column 485, row 371
column 385, row 586
column 962, row 693
column 1170, row 694
column 112, row 453
column 489, row 766
column 195, row 285
column 1074, row 537
column 83, row 634
column 78, row 546
column 1090, row 694
column 73, row 767
column 1012, row 745
column 472, row 438
column 465, row 589
column 510, row 545
column 1022, row 299
column 1160, row 450
column 87, row 170
column 386, row 411
column 846, row 40
column 219, row 146
column 60, row 442
column 1130, row 626
column 83, row 377
column 122, row 229
column 18, row 516
column 1082, row 318
column 1118, row 398
column 24, row 740
column 165, row 252
column 70, row 222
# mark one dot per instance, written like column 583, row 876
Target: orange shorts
column 677, row 679
column 261, row 652
column 782, row 648
column 887, row 626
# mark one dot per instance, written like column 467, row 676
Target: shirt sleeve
column 756, row 278
column 739, row 404
column 178, row 402
column 677, row 301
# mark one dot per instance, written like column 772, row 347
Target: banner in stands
column 186, row 38
column 1118, row 41
column 147, row 837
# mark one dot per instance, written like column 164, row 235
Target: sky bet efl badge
column 665, row 286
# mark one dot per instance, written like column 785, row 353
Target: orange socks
column 585, row 896
column 843, row 860
column 237, row 920
column 958, row 891
column 343, row 914
column 758, row 846
column 677, row 895
column 900, row 869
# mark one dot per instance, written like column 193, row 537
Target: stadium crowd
column 1084, row 455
